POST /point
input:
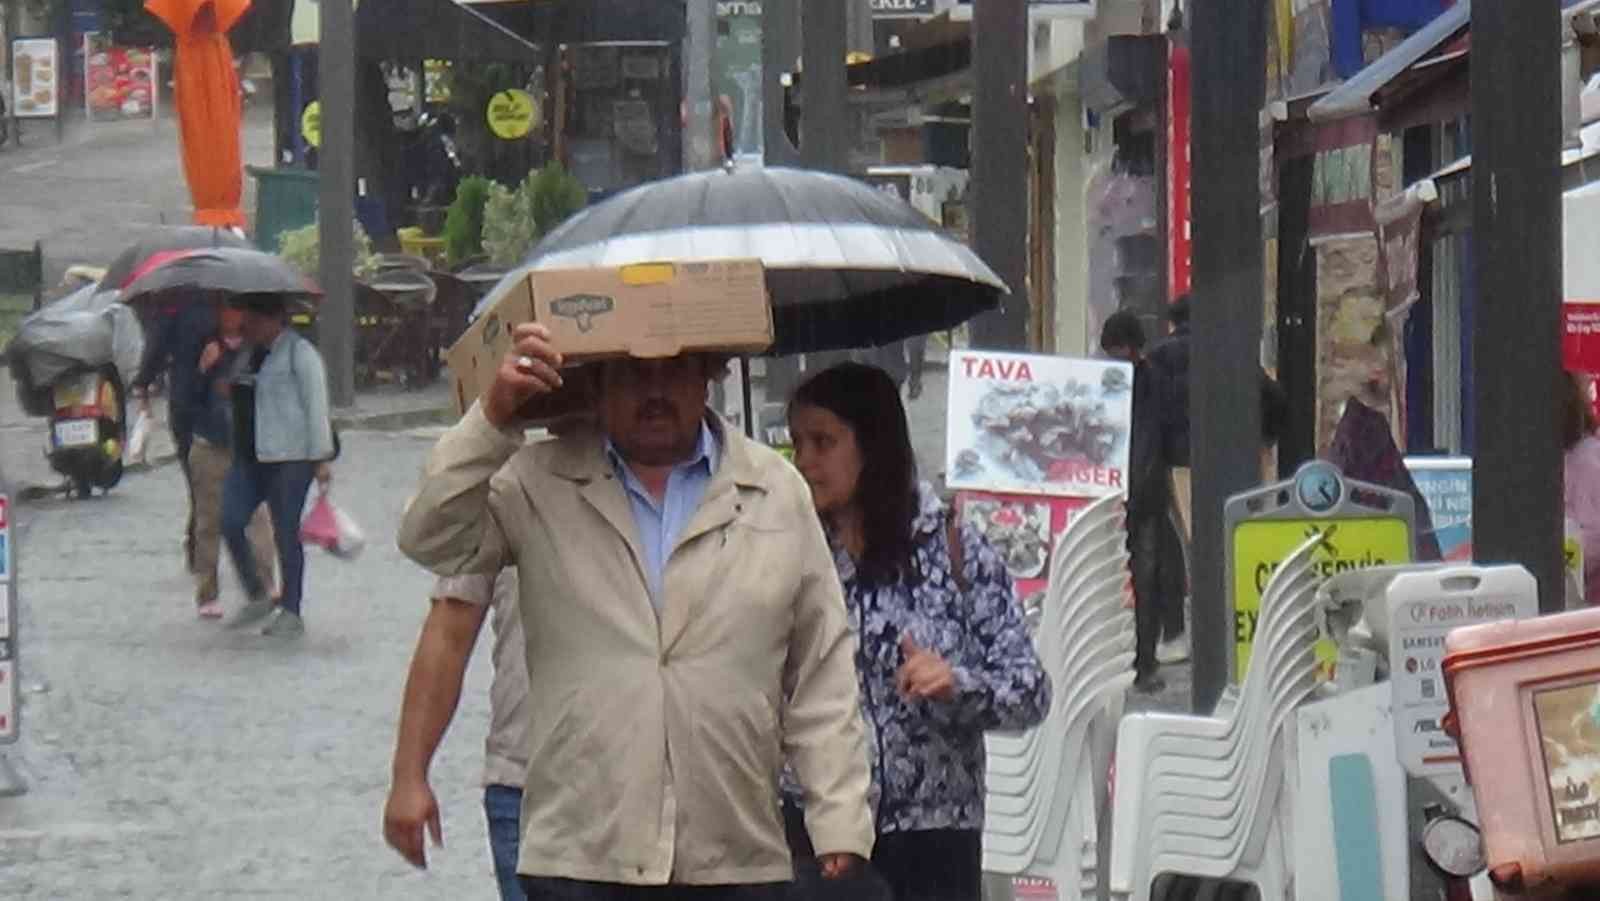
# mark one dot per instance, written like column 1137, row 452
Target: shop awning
column 1356, row 96
column 419, row 29
column 435, row 29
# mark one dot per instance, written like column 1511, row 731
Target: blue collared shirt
column 661, row 524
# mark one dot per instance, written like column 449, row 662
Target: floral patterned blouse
column 927, row 755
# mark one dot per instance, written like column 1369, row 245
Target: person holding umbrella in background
column 176, row 338
column 282, row 433
column 210, row 459
column 283, row 439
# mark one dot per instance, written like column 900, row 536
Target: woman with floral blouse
column 944, row 654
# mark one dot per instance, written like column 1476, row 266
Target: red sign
column 1580, row 336
column 1180, row 237
column 5, row 511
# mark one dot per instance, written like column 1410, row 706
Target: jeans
column 539, row 888
column 282, row 487
column 502, row 807
column 1157, row 563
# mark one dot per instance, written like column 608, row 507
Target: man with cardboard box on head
column 686, row 633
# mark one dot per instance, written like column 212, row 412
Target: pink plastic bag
column 331, row 529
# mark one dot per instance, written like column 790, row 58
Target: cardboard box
column 647, row 310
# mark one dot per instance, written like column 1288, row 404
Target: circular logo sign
column 1319, row 487
column 311, row 123
column 512, row 114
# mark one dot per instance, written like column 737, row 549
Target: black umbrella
column 847, row 265
column 223, row 270
column 165, row 238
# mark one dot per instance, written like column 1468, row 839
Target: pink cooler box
column 1525, row 708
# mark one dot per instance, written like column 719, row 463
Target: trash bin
column 286, row 199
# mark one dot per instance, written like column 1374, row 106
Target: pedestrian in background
column 175, row 339
column 1581, row 491
column 210, row 459
column 283, row 438
column 1153, row 543
column 460, row 605
column 684, row 627
column 945, row 655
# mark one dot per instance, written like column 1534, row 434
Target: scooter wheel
column 83, row 488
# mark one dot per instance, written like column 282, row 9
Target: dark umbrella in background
column 221, row 270
column 848, row 266
column 163, row 238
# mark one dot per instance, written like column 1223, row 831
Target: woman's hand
column 838, row 866
column 210, row 356
column 924, row 674
column 324, row 475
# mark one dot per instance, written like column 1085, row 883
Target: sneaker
column 251, row 613
column 284, row 625
column 1150, row 684
column 1174, row 650
column 211, row 609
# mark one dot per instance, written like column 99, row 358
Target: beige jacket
column 655, row 744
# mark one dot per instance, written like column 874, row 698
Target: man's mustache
column 657, row 407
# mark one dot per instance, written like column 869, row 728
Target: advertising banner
column 1023, row 530
column 35, row 78
column 119, row 82
column 737, row 72
column 1446, row 484
column 1363, row 526
column 1025, row 424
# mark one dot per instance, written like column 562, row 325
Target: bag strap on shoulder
column 952, row 537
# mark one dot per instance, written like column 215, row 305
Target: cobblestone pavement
column 167, row 759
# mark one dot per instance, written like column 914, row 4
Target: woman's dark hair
column 1577, row 417
column 867, row 400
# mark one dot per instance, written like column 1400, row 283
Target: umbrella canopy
column 224, row 270
column 847, row 265
column 164, row 238
column 207, row 98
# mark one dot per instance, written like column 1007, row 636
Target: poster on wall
column 1023, row 530
column 1446, row 484
column 119, row 82
column 35, row 78
column 1025, row 424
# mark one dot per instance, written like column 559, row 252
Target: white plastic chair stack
column 1204, row 795
column 1040, row 818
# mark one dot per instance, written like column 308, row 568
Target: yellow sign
column 311, row 123
column 1260, row 545
column 512, row 114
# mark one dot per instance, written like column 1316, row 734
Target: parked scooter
column 88, row 429
column 69, row 360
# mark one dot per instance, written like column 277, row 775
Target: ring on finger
column 525, row 363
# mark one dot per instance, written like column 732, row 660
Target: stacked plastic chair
column 1207, row 795
column 1041, row 816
